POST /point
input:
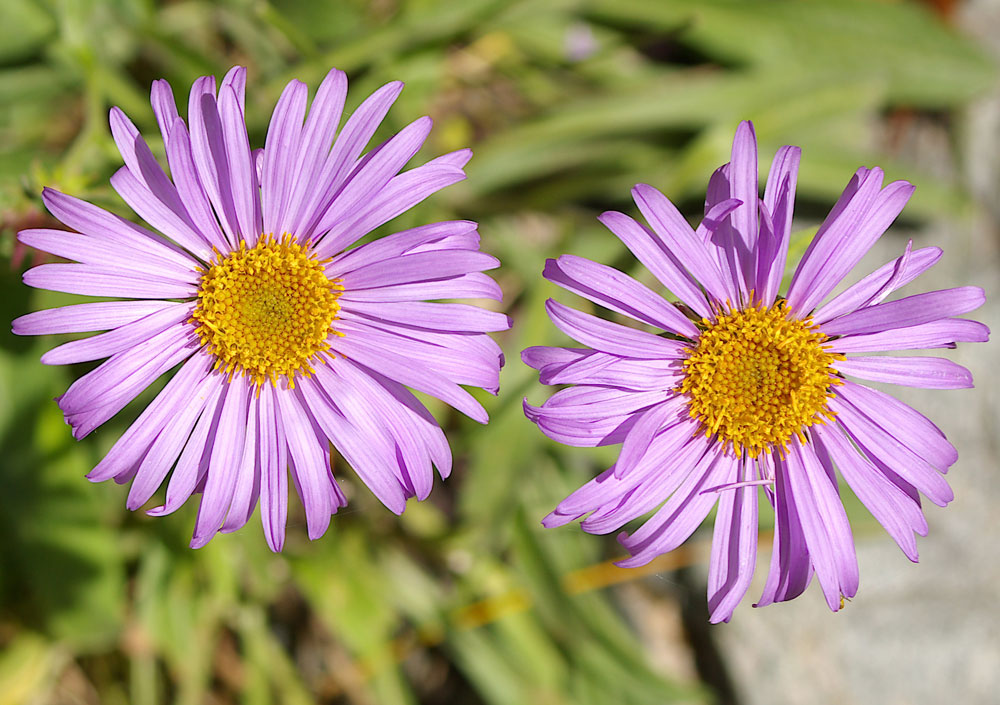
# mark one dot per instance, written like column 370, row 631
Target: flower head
column 741, row 390
column 284, row 340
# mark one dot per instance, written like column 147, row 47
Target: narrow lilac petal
column 193, row 193
column 129, row 449
column 466, row 286
column 400, row 368
column 436, row 316
column 371, row 177
column 161, row 97
column 122, row 338
column 683, row 512
column 83, row 318
column 398, row 423
column 236, row 80
column 618, row 292
column 909, row 311
column 672, row 458
column 88, row 219
column 464, row 359
column 678, row 237
column 823, row 266
column 242, row 181
column 882, row 447
column 652, row 476
column 273, row 469
column 310, row 463
column 611, row 337
column 446, row 235
column 154, row 211
column 825, row 527
column 341, row 160
column 662, row 263
column 209, row 154
column 923, row 372
column 743, row 181
column 281, row 149
column 100, row 394
column 896, row 511
column 399, row 195
column 90, row 250
column 944, row 333
column 779, row 201
column 223, row 464
column 247, row 474
column 861, row 293
column 163, row 452
column 909, row 426
column 734, row 552
column 648, row 424
column 855, row 241
column 192, row 466
column 422, row 266
column 360, row 436
column 314, row 147
column 105, row 281
column 586, row 366
column 791, row 569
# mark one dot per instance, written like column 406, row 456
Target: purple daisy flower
column 285, row 342
column 741, row 388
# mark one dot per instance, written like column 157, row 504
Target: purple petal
column 242, row 181
column 105, row 281
column 909, row 426
column 436, row 316
column 209, row 154
column 466, row 286
column 659, row 260
column 910, row 311
column 791, row 569
column 127, row 336
column 192, row 192
column 98, row 223
column 273, row 469
column 923, row 372
column 734, row 551
column 224, row 462
column 316, row 140
column 82, row 318
column 247, row 474
column 368, row 179
column 857, row 220
column 281, row 149
column 676, row 520
column 896, row 511
column 419, row 267
column 779, row 201
column 161, row 97
column 944, row 333
column 162, row 453
column 618, row 292
column 309, row 462
column 448, row 235
column 401, row 369
column 862, row 294
column 678, row 237
column 611, row 337
column 743, row 181
column 884, row 449
column 647, row 425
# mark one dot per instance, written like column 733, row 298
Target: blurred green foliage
column 567, row 104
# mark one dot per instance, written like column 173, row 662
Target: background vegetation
column 465, row 599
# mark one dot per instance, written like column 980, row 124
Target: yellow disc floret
column 266, row 311
column 757, row 377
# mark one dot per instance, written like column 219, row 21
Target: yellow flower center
column 756, row 377
column 266, row 311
